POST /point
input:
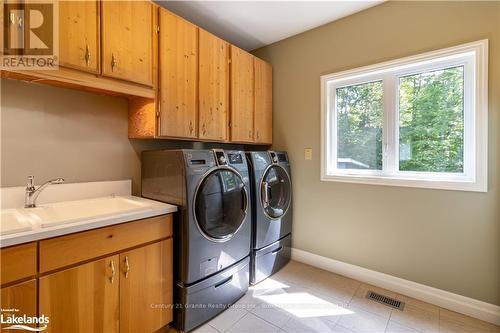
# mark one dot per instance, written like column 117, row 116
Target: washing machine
column 212, row 229
column 271, row 188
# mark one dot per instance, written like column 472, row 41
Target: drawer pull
column 224, row 282
column 127, row 267
column 114, row 62
column 113, row 271
column 277, row 250
column 88, row 55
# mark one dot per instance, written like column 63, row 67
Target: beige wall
column 445, row 239
column 54, row 132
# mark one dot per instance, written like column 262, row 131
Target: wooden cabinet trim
column 63, row 251
column 18, row 262
column 75, row 79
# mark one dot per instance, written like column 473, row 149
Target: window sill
column 439, row 184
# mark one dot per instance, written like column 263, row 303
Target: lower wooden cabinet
column 129, row 292
column 20, row 297
column 82, row 299
column 113, row 279
column 146, row 288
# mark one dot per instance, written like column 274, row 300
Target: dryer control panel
column 274, row 158
column 235, row 158
column 278, row 157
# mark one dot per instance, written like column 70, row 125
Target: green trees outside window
column 431, row 123
column 360, row 118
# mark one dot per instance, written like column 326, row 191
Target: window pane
column 359, row 126
column 431, row 121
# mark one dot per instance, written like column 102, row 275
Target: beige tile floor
column 301, row 299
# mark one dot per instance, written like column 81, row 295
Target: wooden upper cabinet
column 20, row 296
column 79, row 35
column 82, row 299
column 263, row 116
column 178, row 62
column 146, row 287
column 213, row 87
column 127, row 40
column 242, row 95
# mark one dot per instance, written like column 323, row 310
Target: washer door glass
column 220, row 204
column 275, row 192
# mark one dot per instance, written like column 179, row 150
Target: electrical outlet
column 308, row 153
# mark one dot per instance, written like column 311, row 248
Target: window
column 420, row 121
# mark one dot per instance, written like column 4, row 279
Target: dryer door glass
column 221, row 204
column 275, row 192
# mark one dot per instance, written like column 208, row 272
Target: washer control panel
column 220, row 157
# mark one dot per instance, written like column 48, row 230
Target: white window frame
column 474, row 57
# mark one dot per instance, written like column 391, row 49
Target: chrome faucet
column 32, row 193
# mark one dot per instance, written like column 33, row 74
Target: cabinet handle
column 258, row 135
column 88, row 55
column 204, row 130
column 191, row 127
column 114, row 62
column 127, row 267
column 250, row 133
column 113, row 271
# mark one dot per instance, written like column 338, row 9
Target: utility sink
column 73, row 211
column 11, row 221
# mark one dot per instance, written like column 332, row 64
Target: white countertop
column 38, row 229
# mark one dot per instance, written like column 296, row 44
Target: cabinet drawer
column 68, row 250
column 18, row 262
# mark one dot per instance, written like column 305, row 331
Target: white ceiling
column 252, row 24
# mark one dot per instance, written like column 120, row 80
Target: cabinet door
column 79, row 35
column 127, row 40
column 146, row 288
column 82, row 299
column 213, row 87
column 263, row 102
column 178, row 76
column 242, row 95
column 20, row 296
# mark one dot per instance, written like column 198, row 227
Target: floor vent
column 393, row 303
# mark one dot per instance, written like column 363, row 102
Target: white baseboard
column 465, row 305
